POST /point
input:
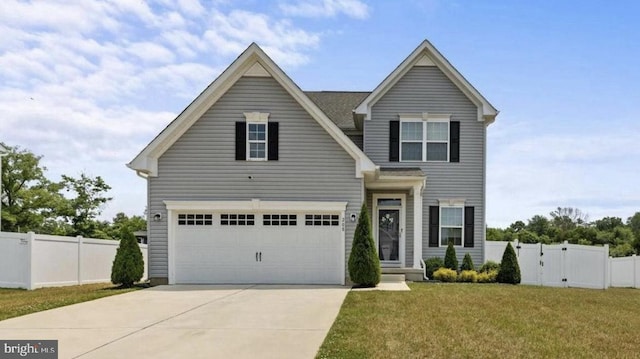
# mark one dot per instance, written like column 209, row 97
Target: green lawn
column 17, row 302
column 486, row 321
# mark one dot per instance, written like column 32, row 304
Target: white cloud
column 326, row 8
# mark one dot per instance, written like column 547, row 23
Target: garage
column 246, row 244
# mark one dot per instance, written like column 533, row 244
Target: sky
column 87, row 84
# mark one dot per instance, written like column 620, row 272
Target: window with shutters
column 257, row 141
column 425, row 138
column 257, row 138
column 451, row 225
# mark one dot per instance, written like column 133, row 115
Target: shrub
column 468, row 276
column 450, row 259
column 432, row 265
column 489, row 266
column 445, row 275
column 509, row 268
column 467, row 263
column 364, row 265
column 128, row 265
column 487, row 277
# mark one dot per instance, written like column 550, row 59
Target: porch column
column 417, row 225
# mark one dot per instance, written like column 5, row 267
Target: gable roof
column 427, row 55
column 253, row 62
column 338, row 105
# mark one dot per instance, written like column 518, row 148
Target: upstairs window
column 257, row 141
column 257, row 138
column 424, row 137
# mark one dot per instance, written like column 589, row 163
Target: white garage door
column 244, row 247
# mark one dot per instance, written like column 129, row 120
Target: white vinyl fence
column 569, row 265
column 30, row 261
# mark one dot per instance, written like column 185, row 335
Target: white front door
column 389, row 223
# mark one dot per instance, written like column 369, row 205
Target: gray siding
column 427, row 89
column 201, row 165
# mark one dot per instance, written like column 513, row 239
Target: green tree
column 467, row 263
column 633, row 223
column 495, row 234
column 567, row 218
column 86, row 203
column 29, row 199
column 509, row 267
column 517, row 226
column 134, row 223
column 539, row 225
column 450, row 259
column 608, row 223
column 364, row 265
column 128, row 265
column 526, row 236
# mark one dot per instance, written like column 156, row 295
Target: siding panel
column 427, row 89
column 201, row 165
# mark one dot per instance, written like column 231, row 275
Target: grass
column 486, row 321
column 17, row 302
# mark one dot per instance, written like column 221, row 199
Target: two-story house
column 257, row 181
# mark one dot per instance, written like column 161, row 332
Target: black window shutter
column 434, row 225
column 241, row 141
column 394, row 141
column 273, row 141
column 454, row 146
column 468, row 226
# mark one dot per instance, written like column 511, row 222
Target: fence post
column 79, row 238
column 607, row 267
column 30, row 243
column 635, row 272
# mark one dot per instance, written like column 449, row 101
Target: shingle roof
column 338, row 105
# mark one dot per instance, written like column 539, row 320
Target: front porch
column 394, row 197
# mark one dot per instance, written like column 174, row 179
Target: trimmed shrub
column 468, row 276
column 450, row 259
column 364, row 265
column 487, row 277
column 509, row 268
column 467, row 263
column 489, row 266
column 445, row 275
column 128, row 265
column 432, row 265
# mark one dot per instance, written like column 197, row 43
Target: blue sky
column 88, row 84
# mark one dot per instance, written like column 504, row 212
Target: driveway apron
column 195, row 321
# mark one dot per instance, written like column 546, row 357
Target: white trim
column 425, row 61
column 256, row 71
column 452, row 202
column 257, row 117
column 265, row 141
column 171, row 247
column 147, row 160
column 486, row 111
column 461, row 207
column 257, row 205
column 425, row 118
column 403, row 210
column 417, row 225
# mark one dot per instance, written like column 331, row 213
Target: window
column 424, row 138
column 451, row 225
column 321, row 220
column 257, row 141
column 237, row 219
column 195, row 219
column 279, row 220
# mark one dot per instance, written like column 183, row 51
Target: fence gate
column 552, row 260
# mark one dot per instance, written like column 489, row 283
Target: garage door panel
column 289, row 254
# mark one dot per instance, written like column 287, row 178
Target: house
column 257, row 181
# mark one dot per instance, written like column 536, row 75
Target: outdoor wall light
column 157, row 217
column 353, row 217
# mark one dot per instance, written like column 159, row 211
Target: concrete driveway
column 251, row 321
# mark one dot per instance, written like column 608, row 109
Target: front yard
column 486, row 321
column 17, row 302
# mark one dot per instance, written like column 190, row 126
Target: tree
column 364, row 265
column 608, row 223
column 134, row 223
column 567, row 218
column 128, row 265
column 467, row 263
column 517, row 226
column 29, row 199
column 539, row 225
column 86, row 204
column 495, row 234
column 509, row 267
column 450, row 259
column 633, row 223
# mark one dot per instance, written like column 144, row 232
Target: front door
column 388, row 228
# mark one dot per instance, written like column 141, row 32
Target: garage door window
column 279, row 219
column 322, row 220
column 195, row 219
column 228, row 219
